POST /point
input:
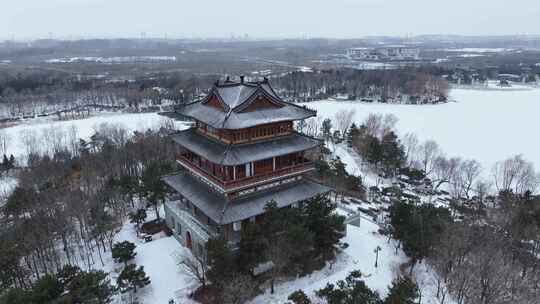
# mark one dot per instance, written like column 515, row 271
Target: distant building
column 387, row 53
column 242, row 153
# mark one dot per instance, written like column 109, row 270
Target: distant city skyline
column 76, row 19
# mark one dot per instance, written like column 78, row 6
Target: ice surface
column 487, row 125
column 85, row 127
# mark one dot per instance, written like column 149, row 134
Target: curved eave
column 232, row 155
column 233, row 121
column 223, row 212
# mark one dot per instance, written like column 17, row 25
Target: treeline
column 353, row 289
column 493, row 260
column 47, row 93
column 418, row 85
column 68, row 206
column 28, row 94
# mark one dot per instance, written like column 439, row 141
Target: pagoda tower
column 241, row 153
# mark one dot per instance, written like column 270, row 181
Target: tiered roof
column 237, row 154
column 222, row 211
column 239, row 105
column 235, row 97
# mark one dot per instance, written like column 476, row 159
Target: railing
column 245, row 181
column 204, row 231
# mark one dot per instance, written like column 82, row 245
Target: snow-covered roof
column 222, row 211
column 236, row 96
column 230, row 155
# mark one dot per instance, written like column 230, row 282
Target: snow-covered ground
column 358, row 256
column 486, row 125
column 123, row 59
column 480, row 50
column 83, row 127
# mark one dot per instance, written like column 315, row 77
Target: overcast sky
column 24, row 19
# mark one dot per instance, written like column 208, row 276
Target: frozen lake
column 486, row 125
column 84, row 127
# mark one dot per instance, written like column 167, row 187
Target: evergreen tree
column 47, row 289
column 326, row 128
column 352, row 290
column 86, row 287
column 352, row 135
column 5, row 163
column 123, row 252
column 129, row 185
column 299, row 297
column 418, row 227
column 138, row 217
column 371, row 150
column 16, row 296
column 326, row 226
column 336, row 136
column 251, row 248
column 132, row 278
column 392, row 153
column 153, row 188
column 403, row 291
column 220, row 262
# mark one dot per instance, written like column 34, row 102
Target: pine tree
column 251, row 247
column 352, row 135
column 352, row 290
column 153, row 188
column 392, row 153
column 324, row 224
column 403, row 291
column 299, row 297
column 47, row 289
column 85, row 287
column 326, row 128
column 220, row 262
column 372, row 150
column 123, row 252
column 137, row 218
column 5, row 163
column 16, row 296
column 132, row 278
column 11, row 162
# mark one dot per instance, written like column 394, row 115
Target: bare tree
column 344, row 120
column 238, row 290
column 468, row 173
column 4, row 142
column 515, row 174
column 429, row 152
column 378, row 125
column 412, row 145
column 445, row 170
column 194, row 266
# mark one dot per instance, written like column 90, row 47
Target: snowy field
column 84, row 127
column 358, row 256
column 486, row 125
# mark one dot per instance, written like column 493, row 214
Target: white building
column 398, row 52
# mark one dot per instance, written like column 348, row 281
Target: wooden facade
column 248, row 134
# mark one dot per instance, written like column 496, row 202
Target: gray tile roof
column 233, row 120
column 230, row 155
column 237, row 96
column 222, row 211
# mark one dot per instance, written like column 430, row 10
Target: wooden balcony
column 245, row 182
